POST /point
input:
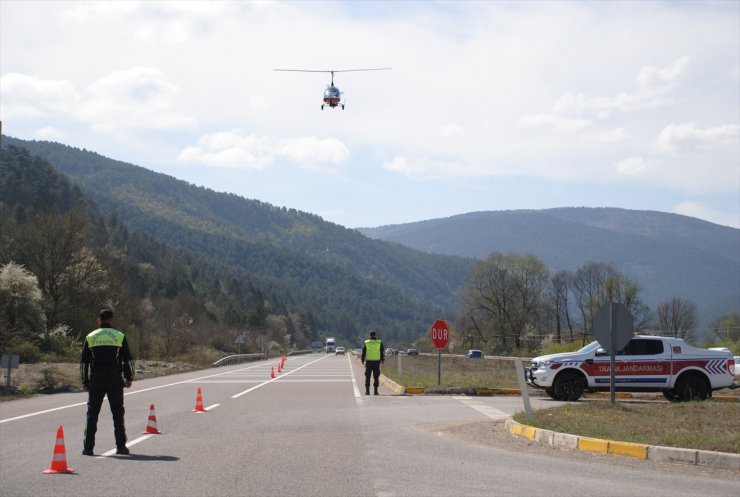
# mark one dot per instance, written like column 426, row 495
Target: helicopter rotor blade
column 341, row 70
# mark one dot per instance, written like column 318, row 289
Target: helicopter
column 332, row 94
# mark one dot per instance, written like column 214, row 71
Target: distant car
column 474, row 354
column 412, row 352
column 737, row 366
column 340, row 350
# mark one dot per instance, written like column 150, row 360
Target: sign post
column 523, row 386
column 440, row 335
column 613, row 329
column 10, row 362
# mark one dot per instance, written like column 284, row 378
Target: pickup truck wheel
column 669, row 395
column 551, row 393
column 568, row 386
column 691, row 386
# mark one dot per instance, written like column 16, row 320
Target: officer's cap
column 105, row 314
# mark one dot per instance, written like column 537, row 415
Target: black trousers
column 112, row 386
column 372, row 368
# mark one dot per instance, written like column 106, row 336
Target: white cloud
column 573, row 111
column 173, row 22
column 633, row 166
column 452, row 129
column 610, row 136
column 699, row 210
column 30, row 96
column 312, row 150
column 687, row 138
column 258, row 103
column 656, row 80
column 238, row 150
column 428, row 169
column 138, row 98
column 49, row 133
column 558, row 123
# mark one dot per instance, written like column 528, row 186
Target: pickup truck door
column 644, row 362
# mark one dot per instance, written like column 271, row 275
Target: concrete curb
column 639, row 451
column 398, row 389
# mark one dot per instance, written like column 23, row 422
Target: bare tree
column 560, row 295
column 503, row 296
column 595, row 284
column 587, row 283
column 54, row 248
column 677, row 317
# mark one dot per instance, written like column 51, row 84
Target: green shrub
column 51, row 380
column 28, row 351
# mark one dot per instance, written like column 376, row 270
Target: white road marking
column 277, row 378
column 358, row 396
column 482, row 407
column 128, row 444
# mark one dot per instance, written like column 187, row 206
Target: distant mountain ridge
column 668, row 254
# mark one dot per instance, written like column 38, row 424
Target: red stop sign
column 440, row 334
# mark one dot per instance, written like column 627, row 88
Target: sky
column 488, row 105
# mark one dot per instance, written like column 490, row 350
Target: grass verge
column 708, row 425
column 457, row 373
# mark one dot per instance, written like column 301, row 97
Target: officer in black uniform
column 373, row 354
column 106, row 366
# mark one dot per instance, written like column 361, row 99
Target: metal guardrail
column 489, row 357
column 300, row 352
column 237, row 358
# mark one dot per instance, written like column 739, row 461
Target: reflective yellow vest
column 105, row 337
column 372, row 350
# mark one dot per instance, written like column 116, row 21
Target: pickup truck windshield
column 588, row 348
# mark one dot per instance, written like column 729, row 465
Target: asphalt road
column 309, row 432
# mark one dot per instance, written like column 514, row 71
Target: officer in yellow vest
column 106, row 366
column 373, row 353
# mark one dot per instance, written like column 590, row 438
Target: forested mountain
column 61, row 259
column 344, row 280
column 669, row 255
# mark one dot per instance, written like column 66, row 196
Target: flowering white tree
column 21, row 314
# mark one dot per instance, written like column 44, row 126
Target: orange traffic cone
column 272, row 372
column 59, row 460
column 199, row 402
column 280, row 368
column 151, row 426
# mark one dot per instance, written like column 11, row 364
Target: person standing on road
column 106, row 366
column 373, row 354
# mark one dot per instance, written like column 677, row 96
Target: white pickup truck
column 646, row 363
